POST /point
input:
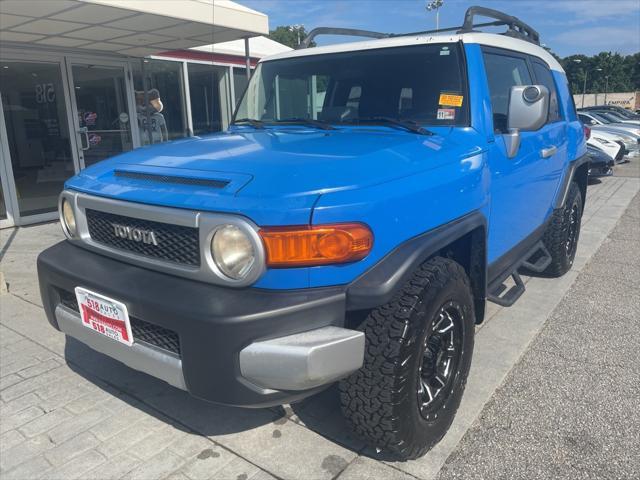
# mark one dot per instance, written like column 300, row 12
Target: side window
column 504, row 72
column 544, row 77
column 586, row 120
column 353, row 100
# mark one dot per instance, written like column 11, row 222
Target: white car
column 608, row 142
column 594, row 119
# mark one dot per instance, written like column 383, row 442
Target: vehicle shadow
column 160, row 399
column 320, row 413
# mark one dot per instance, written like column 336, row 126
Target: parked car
column 615, row 117
column 614, row 108
column 595, row 119
column 355, row 241
column 609, row 143
column 600, row 164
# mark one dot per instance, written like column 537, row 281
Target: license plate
column 105, row 316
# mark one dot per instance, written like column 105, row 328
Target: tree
column 290, row 35
column 623, row 72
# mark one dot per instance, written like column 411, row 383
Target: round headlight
column 68, row 218
column 232, row 251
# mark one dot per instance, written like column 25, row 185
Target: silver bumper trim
column 304, row 360
column 139, row 357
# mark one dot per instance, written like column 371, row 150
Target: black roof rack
column 516, row 28
column 350, row 32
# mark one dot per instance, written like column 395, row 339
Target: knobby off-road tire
column 384, row 401
column 562, row 233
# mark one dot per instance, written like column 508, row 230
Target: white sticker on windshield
column 446, row 114
column 445, row 51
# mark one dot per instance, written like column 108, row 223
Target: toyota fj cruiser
column 349, row 227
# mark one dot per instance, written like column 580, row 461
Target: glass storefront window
column 239, row 83
column 204, row 88
column 165, row 111
column 103, row 118
column 37, row 133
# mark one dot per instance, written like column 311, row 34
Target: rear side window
column 544, row 77
column 586, row 120
column 504, row 72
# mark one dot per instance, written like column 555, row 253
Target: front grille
column 151, row 177
column 145, row 332
column 154, row 335
column 175, row 243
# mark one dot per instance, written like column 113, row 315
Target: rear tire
column 417, row 358
column 563, row 232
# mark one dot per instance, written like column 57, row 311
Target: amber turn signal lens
column 306, row 246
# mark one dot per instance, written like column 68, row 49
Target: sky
column 566, row 26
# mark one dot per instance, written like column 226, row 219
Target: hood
column 285, row 167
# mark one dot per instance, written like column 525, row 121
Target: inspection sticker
column 450, row 100
column 446, row 114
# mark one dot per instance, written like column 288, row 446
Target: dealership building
column 84, row 80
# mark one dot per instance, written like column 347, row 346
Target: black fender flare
column 379, row 284
column 563, row 191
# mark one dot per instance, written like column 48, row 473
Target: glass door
column 36, row 150
column 101, row 110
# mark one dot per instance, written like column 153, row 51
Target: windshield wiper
column 308, row 121
column 406, row 124
column 251, row 121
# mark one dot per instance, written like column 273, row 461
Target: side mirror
column 528, row 111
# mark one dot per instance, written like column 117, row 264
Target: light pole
column 296, row 28
column 596, row 100
column 435, row 5
column 584, row 85
column 606, row 88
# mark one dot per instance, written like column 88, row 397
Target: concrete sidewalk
column 569, row 409
column 68, row 412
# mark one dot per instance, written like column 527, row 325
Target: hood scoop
column 175, row 179
column 158, row 178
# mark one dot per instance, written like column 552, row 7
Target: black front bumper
column 213, row 323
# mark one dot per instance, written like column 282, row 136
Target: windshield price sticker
column 446, row 114
column 105, row 316
column 450, row 100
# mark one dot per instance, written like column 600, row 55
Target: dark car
column 623, row 112
column 600, row 164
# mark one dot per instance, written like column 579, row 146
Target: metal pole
column 584, row 88
column 147, row 113
column 606, row 88
column 247, row 58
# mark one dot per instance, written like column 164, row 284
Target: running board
column 537, row 260
column 511, row 296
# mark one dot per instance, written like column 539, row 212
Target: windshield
column 422, row 83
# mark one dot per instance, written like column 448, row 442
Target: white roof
column 128, row 27
column 258, row 47
column 489, row 39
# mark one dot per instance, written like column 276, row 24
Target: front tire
column 563, row 232
column 417, row 358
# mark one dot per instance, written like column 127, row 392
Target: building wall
column 198, row 96
column 630, row 100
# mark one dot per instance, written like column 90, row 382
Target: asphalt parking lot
column 552, row 392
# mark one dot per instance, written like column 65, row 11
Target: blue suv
column 349, row 227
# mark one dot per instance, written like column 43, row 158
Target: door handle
column 547, row 152
column 84, row 131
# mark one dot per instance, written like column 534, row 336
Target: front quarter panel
column 399, row 210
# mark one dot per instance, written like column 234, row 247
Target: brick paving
column 68, row 412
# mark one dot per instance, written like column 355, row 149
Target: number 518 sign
column 45, row 93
